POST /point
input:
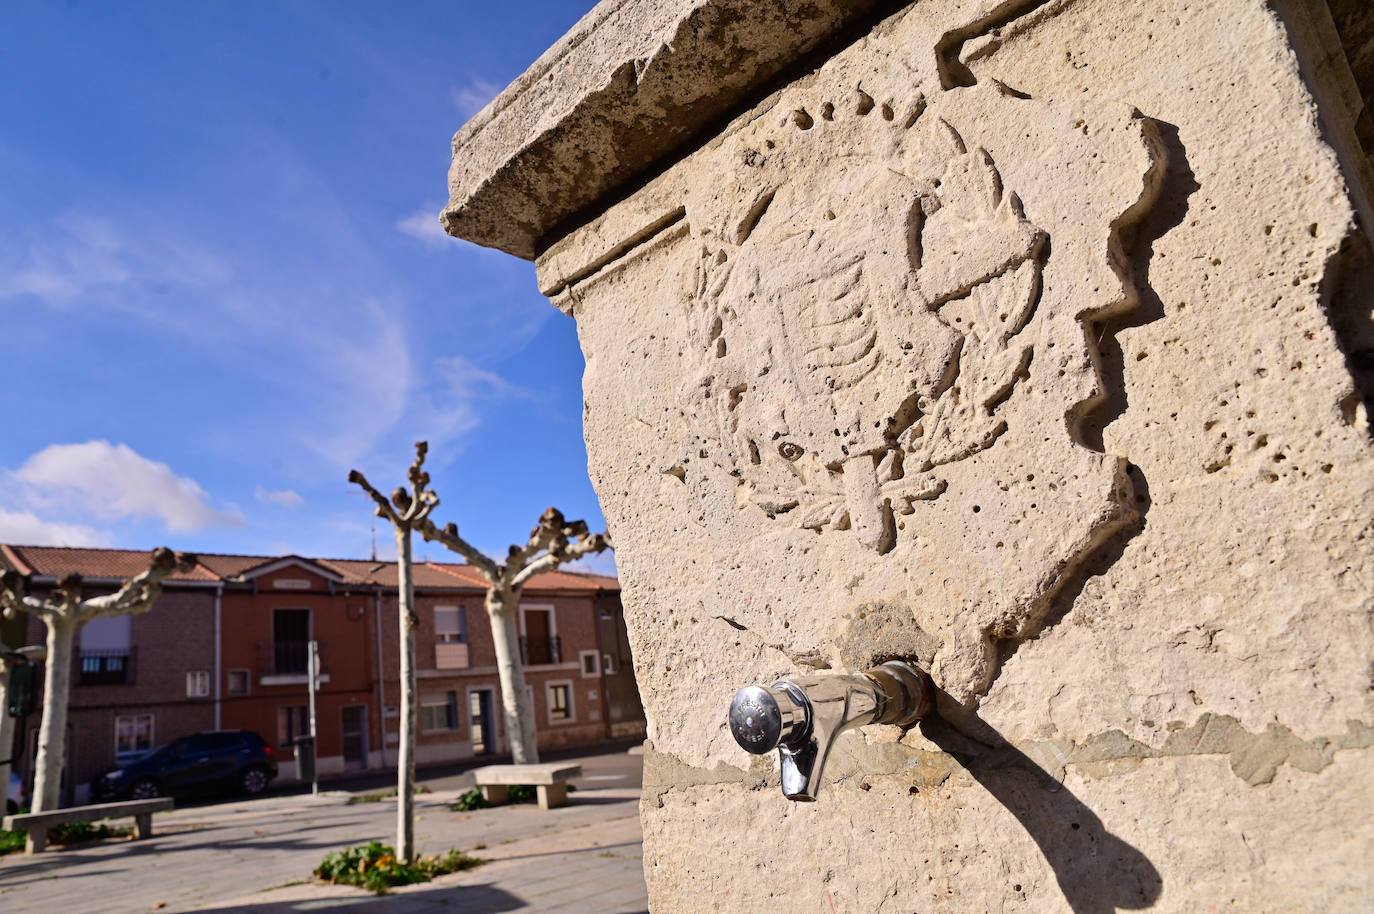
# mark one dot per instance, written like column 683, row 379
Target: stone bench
column 550, row 782
column 36, row 824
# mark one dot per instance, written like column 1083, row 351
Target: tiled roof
column 57, row 561
column 54, row 561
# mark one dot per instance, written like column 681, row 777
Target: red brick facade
column 224, row 647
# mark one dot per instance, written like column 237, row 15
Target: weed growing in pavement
column 374, row 866
column 469, row 801
column 68, row 833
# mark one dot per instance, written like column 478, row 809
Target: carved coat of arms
column 889, row 309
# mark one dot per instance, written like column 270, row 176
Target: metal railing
column 536, row 651
column 105, row 667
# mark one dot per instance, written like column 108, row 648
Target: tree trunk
column 52, row 734
column 502, row 605
column 405, row 769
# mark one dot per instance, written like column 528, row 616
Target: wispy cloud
column 285, row 498
column 423, row 225
column 73, row 256
column 27, row 528
column 473, row 97
column 115, row 482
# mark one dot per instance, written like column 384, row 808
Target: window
column 591, row 664
column 608, row 664
column 198, row 684
column 238, row 682
column 451, row 624
column 560, row 701
column 106, row 657
column 133, row 736
column 450, row 637
column 293, row 722
column 290, row 640
column 442, row 715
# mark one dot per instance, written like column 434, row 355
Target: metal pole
column 314, row 740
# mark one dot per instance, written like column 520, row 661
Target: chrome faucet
column 801, row 717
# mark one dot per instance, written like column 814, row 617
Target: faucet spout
column 801, row 717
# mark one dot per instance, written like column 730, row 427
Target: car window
column 218, row 742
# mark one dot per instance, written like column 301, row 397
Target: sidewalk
column 251, row 856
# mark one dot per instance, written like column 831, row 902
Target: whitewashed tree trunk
column 52, row 732
column 405, row 769
column 502, row 607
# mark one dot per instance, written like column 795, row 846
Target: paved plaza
column 256, row 855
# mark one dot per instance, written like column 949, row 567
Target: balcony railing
column 289, row 659
column 536, row 651
column 105, row 667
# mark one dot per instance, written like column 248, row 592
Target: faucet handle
column 802, row 717
column 765, row 717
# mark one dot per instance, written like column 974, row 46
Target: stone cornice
column 632, row 83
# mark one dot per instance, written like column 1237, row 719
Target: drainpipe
column 381, row 695
column 219, row 596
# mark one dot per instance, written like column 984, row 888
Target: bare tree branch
column 13, row 599
column 449, row 538
column 139, row 592
column 551, row 560
column 383, row 506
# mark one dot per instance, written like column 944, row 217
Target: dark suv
column 221, row 760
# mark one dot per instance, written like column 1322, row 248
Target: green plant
column 11, row 842
column 374, row 867
column 527, row 793
column 68, row 833
column 469, row 801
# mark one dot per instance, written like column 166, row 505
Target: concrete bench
column 36, row 824
column 550, row 782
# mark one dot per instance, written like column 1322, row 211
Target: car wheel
column 145, row 789
column 253, row 781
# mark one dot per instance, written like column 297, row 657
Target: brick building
column 225, row 646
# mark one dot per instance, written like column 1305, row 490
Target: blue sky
column 223, row 284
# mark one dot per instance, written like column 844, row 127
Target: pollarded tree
column 404, row 510
column 552, row 542
column 63, row 612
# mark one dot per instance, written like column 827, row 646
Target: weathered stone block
column 1026, row 339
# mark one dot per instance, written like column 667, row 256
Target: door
column 355, row 736
column 483, row 726
column 538, row 637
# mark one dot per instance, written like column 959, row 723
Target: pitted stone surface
column 1020, row 338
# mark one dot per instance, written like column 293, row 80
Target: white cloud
column 73, row 256
column 423, row 225
column 286, row 498
column 114, row 482
column 466, row 381
column 26, row 528
column 474, row 96
column 601, row 563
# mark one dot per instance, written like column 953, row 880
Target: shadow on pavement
column 482, row 898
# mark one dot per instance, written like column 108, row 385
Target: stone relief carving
column 889, row 306
column 811, row 396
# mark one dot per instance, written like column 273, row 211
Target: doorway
column 354, row 732
column 482, row 723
